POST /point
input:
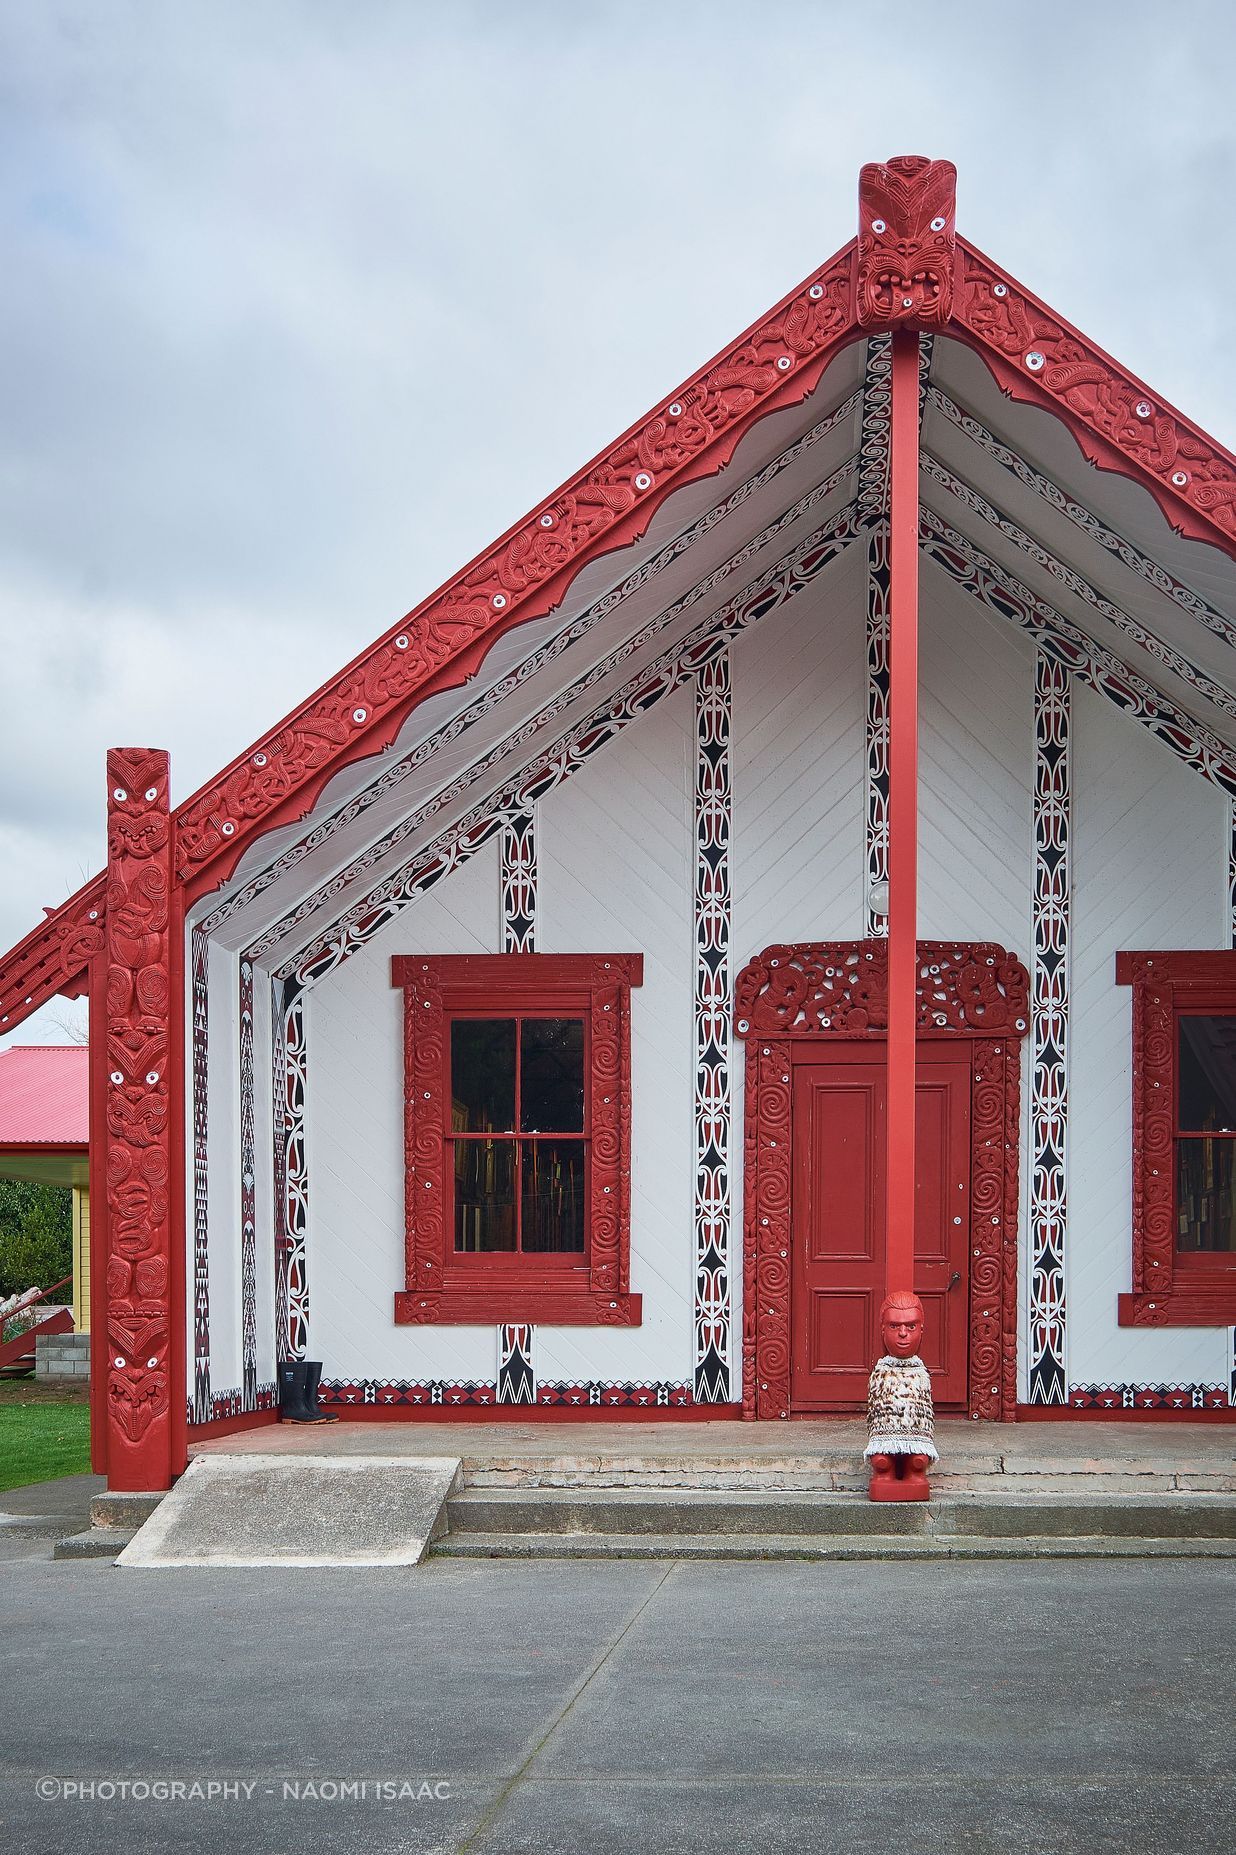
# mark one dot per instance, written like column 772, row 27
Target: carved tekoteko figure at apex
column 900, row 1419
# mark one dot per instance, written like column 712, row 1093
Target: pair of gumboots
column 900, row 1420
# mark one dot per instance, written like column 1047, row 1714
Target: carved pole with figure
column 904, row 269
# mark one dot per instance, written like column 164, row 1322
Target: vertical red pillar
column 903, row 810
column 134, row 1048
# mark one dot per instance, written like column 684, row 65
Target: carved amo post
column 144, row 1442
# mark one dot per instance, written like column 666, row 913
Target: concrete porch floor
column 823, row 1453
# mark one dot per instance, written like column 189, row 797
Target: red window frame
column 449, row 1287
column 1170, row 1288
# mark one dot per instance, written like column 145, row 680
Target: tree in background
column 36, row 1235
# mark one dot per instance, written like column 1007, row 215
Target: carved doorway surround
column 828, row 990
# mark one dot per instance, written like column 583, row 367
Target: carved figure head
column 137, row 783
column 901, row 1324
column 907, row 242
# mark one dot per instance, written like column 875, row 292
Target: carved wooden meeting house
column 532, row 1021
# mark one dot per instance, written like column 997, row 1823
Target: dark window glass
column 1207, row 1075
column 484, row 1195
column 1205, row 1171
column 551, row 1078
column 552, row 1209
column 483, row 1075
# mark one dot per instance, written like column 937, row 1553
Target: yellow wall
column 81, row 1258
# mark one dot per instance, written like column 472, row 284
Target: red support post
column 141, row 1143
column 903, row 811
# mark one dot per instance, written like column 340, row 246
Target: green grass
column 39, row 1442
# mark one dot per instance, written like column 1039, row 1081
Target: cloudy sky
column 305, row 301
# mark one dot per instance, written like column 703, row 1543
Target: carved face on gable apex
column 907, row 242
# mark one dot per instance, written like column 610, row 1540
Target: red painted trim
column 439, row 1288
column 229, row 1426
column 1168, row 1291
column 792, row 1000
column 902, row 813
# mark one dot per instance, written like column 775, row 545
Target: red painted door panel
column 838, row 1224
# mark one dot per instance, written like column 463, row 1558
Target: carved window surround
column 438, row 1287
column 1169, row 1290
column 839, row 990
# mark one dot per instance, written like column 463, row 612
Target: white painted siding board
column 797, row 765
column 354, row 1024
column 614, row 852
column 976, row 724
column 1150, row 870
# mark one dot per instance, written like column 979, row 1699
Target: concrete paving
column 301, row 1511
column 1025, row 1709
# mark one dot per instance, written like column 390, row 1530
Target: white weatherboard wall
column 1149, row 871
column 355, row 1249
column 799, row 699
column 976, row 805
column 614, row 849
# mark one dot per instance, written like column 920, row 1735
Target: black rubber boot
column 292, row 1405
column 313, row 1378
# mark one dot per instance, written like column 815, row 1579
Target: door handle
column 953, row 1280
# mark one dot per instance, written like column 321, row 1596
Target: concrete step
column 122, row 1510
column 744, row 1513
column 94, row 1543
column 816, row 1547
column 844, row 1473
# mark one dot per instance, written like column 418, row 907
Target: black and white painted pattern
column 518, row 902
column 1049, row 1089
column 713, row 816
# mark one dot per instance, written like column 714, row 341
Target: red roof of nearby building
column 45, row 1096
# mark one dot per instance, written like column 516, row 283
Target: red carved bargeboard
column 139, row 1131
column 839, row 989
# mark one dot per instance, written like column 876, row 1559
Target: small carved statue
column 900, row 1420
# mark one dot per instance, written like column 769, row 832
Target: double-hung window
column 517, row 1138
column 1184, row 1139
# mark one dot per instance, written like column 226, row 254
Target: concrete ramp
column 298, row 1511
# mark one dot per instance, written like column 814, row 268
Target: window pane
column 551, row 1083
column 484, row 1195
column 553, row 1196
column 483, row 1075
column 1207, row 1052
column 1205, row 1170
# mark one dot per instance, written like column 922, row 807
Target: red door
column 838, row 1222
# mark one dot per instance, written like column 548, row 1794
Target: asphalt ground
column 567, row 1708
